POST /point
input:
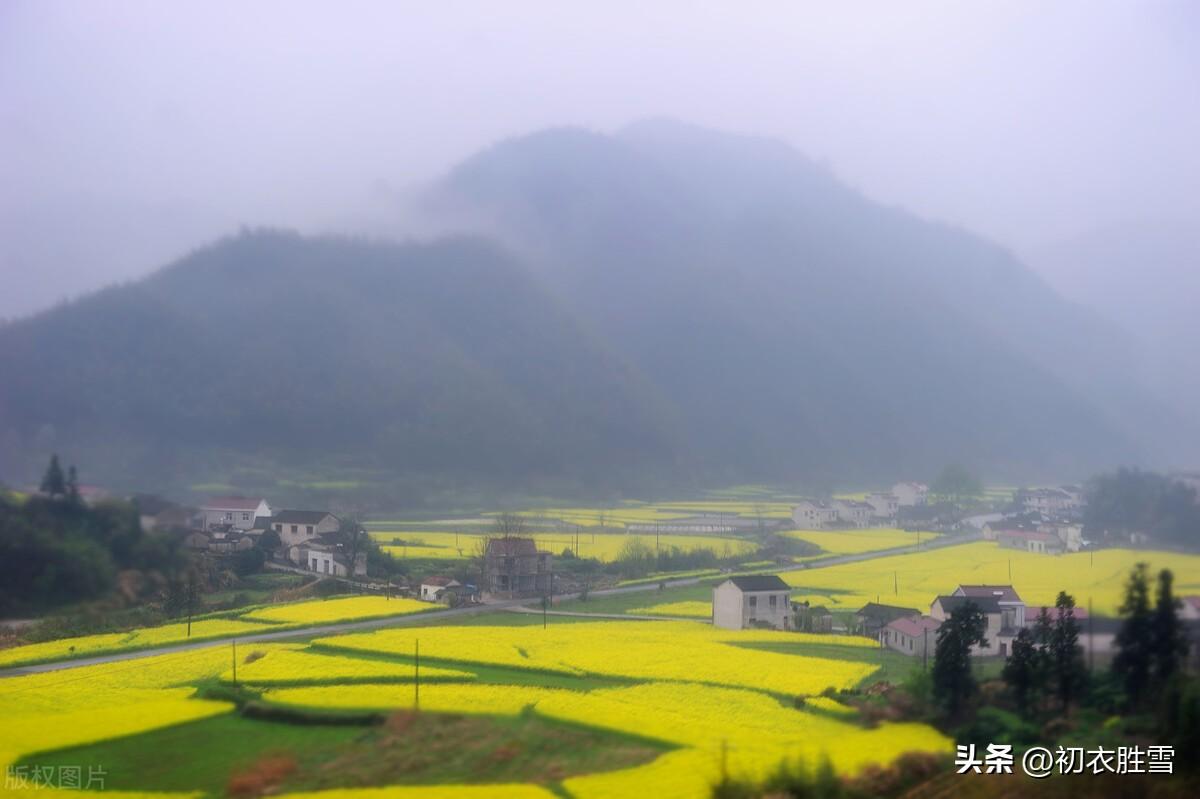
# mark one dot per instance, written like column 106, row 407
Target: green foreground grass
column 408, row 749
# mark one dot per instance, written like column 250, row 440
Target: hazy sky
column 133, row 131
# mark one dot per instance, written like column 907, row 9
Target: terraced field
column 660, row 703
column 913, row 580
column 604, row 547
column 245, row 622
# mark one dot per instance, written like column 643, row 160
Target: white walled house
column 323, row 559
column 883, row 506
column 1001, row 606
column 759, row 600
column 432, row 588
column 297, row 526
column 852, row 513
column 910, row 494
column 914, row 635
column 237, row 512
column 812, row 515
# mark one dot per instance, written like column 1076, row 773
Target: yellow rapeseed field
column 324, row 611
column 638, row 650
column 913, row 580
column 284, row 666
column 687, row 609
column 144, row 638
column 604, row 547
column 852, row 542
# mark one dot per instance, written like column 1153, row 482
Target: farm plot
column 913, row 580
column 634, row 650
column 604, row 547
column 658, row 706
column 853, row 542
column 257, row 620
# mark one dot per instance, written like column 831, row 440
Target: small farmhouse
column 912, row 635
column 752, row 601
column 514, row 567
column 1001, row 606
column 434, row 588
column 872, row 617
column 238, row 513
column 909, row 494
column 1030, row 541
column 883, row 506
column 852, row 513
column 814, row 515
column 298, row 526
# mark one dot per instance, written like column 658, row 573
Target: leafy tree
column 1170, row 640
column 53, row 482
column 1133, row 501
column 956, row 484
column 1065, row 654
column 953, row 683
column 1024, row 671
column 269, row 541
column 1133, row 661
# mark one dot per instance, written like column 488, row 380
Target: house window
column 753, row 601
column 245, row 517
column 774, row 599
column 314, row 564
column 295, row 528
column 308, row 529
column 279, row 528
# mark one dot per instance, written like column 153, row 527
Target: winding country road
column 451, row 613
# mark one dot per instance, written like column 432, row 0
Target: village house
column 326, row 558
column 909, row 494
column 912, row 635
column 297, row 526
column 434, row 588
column 1050, row 501
column 872, row 617
column 762, row 600
column 514, row 567
column 812, row 618
column 1030, row 541
column 1000, row 605
column 852, row 513
column 238, row 513
column 814, row 515
column 883, row 506
column 1190, row 607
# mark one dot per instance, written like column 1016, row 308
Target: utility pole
column 925, row 650
column 896, row 582
column 234, row 643
column 1010, row 571
column 417, row 677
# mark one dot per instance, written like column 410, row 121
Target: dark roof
column 885, row 613
column 508, row 546
column 301, row 516
column 1002, row 593
column 262, row 523
column 760, row 582
column 987, row 604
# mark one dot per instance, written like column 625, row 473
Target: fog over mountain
column 670, row 301
column 842, row 242
column 1026, row 122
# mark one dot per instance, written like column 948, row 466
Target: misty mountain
column 665, row 305
column 808, row 327
column 322, row 356
column 1145, row 276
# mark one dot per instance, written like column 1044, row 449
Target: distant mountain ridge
column 669, row 305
